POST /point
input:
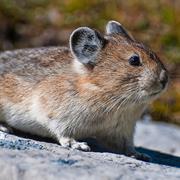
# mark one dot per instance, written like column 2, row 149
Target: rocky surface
column 28, row 159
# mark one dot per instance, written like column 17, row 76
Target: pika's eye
column 135, row 60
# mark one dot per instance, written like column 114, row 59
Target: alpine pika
column 98, row 88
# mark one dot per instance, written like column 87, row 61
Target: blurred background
column 34, row 23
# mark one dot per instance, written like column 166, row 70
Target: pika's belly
column 20, row 118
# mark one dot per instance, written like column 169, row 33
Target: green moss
column 170, row 40
column 167, row 107
column 143, row 24
column 9, row 7
column 167, row 13
column 173, row 55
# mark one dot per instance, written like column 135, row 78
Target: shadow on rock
column 157, row 157
column 161, row 158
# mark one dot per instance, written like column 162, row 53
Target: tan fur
column 44, row 92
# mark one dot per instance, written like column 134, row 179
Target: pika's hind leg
column 124, row 145
column 130, row 151
column 70, row 142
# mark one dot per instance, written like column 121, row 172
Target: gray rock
column 28, row 159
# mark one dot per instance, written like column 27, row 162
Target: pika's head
column 116, row 65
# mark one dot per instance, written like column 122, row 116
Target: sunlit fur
column 44, row 92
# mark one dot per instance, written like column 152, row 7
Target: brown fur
column 104, row 100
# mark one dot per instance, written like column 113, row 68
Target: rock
column 158, row 136
column 27, row 159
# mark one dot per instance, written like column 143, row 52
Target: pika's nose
column 163, row 78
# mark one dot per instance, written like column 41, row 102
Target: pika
column 98, row 87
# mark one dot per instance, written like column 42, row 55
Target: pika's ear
column 114, row 27
column 85, row 44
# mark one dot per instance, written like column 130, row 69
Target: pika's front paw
column 80, row 146
column 69, row 142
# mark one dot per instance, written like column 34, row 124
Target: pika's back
column 34, row 64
